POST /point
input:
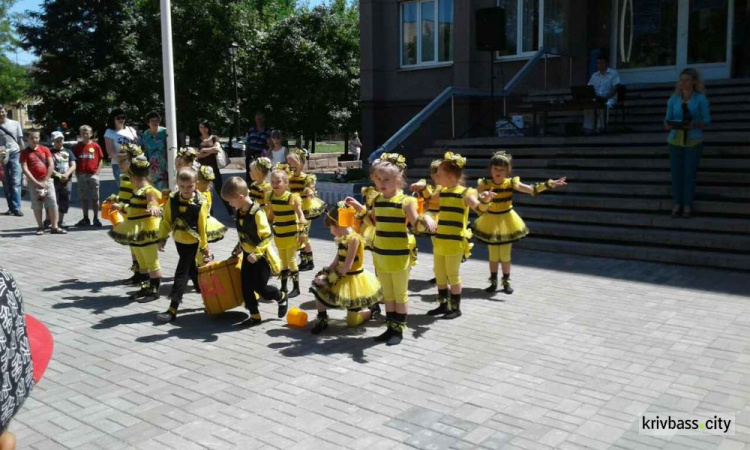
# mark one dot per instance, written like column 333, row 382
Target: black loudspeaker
column 490, row 29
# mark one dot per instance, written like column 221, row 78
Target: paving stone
column 568, row 361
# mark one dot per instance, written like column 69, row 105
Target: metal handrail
column 451, row 92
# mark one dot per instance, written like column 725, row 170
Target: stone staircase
column 618, row 200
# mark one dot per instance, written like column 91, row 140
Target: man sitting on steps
column 604, row 81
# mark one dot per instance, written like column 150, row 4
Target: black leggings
column 255, row 279
column 186, row 270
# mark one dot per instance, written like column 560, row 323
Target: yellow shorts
column 147, row 257
column 395, row 285
column 500, row 253
column 288, row 257
column 446, row 269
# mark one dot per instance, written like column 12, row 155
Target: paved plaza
column 569, row 361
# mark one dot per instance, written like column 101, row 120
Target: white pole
column 169, row 101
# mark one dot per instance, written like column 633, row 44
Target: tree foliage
column 14, row 79
column 95, row 55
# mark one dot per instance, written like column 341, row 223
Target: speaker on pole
column 490, row 29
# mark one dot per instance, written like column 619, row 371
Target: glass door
column 655, row 39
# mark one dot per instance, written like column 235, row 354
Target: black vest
column 248, row 230
column 188, row 218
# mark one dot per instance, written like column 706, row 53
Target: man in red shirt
column 38, row 165
column 89, row 157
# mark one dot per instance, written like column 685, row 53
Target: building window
column 426, row 32
column 523, row 33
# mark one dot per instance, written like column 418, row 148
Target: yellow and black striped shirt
column 343, row 251
column 284, row 219
column 452, row 221
column 502, row 203
column 391, row 244
column 258, row 192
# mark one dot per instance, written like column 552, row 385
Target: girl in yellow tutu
column 391, row 254
column 284, row 210
column 451, row 236
column 303, row 184
column 141, row 229
column 126, row 154
column 186, row 157
column 500, row 226
column 258, row 171
column 366, row 226
column 186, row 218
column 215, row 230
column 344, row 283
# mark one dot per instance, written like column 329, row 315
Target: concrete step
column 660, row 138
column 529, row 175
column 642, row 253
column 635, row 219
column 562, row 200
column 734, row 164
column 608, row 151
column 651, row 118
column 714, row 87
column 642, row 236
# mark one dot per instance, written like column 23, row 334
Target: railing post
column 545, row 71
column 570, row 65
column 453, row 115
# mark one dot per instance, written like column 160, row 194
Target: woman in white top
column 277, row 152
column 117, row 135
column 355, row 146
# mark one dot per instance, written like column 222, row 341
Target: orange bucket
column 420, row 205
column 115, row 217
column 221, row 285
column 296, row 317
column 346, row 217
column 106, row 210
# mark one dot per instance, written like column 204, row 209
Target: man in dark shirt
column 257, row 139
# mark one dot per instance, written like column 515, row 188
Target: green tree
column 309, row 82
column 14, row 79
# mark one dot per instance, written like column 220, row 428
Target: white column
column 169, row 101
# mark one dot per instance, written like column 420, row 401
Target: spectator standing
column 116, row 136
column 11, row 143
column 689, row 107
column 65, row 167
column 89, row 159
column 355, row 146
column 154, row 144
column 257, row 139
column 208, row 147
column 39, row 166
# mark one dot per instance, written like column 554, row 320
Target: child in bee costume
column 344, row 283
column 303, row 184
column 126, row 154
column 259, row 172
column 141, row 229
column 500, row 226
column 215, row 230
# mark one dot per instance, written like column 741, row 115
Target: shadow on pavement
column 196, row 326
column 333, row 341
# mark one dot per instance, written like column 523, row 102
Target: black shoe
column 507, row 287
column 453, row 314
column 62, row 225
column 135, row 280
column 139, row 294
column 492, row 287
column 85, row 222
column 442, row 309
column 294, row 292
column 284, row 304
column 46, row 223
column 18, row 213
column 97, row 223
column 306, row 266
column 320, row 325
column 375, row 311
column 149, row 297
column 433, row 281
column 386, row 335
column 250, row 322
column 395, row 338
column 166, row 317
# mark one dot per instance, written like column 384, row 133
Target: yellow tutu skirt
column 313, row 208
column 468, row 245
column 215, row 230
column 499, row 228
column 138, row 232
column 350, row 291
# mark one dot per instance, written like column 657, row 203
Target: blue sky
column 24, row 5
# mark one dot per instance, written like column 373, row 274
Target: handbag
column 221, row 158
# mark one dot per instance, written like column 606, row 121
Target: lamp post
column 233, row 48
